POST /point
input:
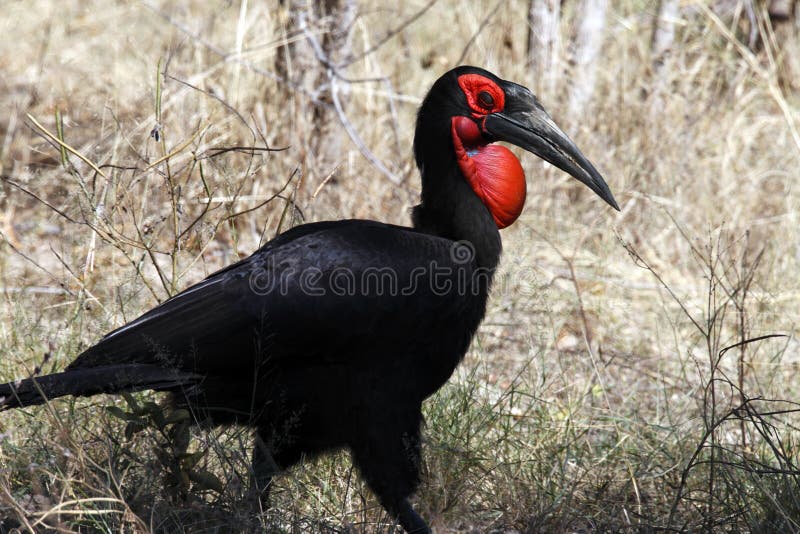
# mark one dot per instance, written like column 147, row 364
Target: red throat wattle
column 493, row 172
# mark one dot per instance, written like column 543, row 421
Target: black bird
column 333, row 334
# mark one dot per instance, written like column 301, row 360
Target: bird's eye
column 486, row 99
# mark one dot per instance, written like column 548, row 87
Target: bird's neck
column 451, row 209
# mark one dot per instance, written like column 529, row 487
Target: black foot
column 264, row 468
column 410, row 520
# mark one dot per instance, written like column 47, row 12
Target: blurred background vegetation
column 635, row 372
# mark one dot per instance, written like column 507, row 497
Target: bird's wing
column 326, row 291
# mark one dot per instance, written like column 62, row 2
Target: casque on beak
column 524, row 123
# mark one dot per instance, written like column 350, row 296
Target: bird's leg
column 264, row 468
column 268, row 462
column 388, row 456
column 410, row 520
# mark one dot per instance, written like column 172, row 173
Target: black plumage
column 334, row 333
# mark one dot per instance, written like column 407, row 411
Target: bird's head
column 472, row 108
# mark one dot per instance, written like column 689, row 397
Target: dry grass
column 596, row 395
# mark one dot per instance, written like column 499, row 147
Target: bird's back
column 319, row 294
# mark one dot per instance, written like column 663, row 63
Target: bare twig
column 334, row 90
column 388, row 36
column 65, row 146
column 485, row 22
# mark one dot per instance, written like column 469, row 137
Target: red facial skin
column 473, row 85
column 493, row 172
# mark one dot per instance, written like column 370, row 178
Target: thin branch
column 748, row 341
column 356, row 139
column 348, row 127
column 243, row 149
column 642, row 263
column 481, row 27
column 64, row 145
column 389, row 35
column 175, row 151
column 265, row 202
column 40, row 199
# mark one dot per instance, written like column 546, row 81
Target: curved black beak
column 525, row 123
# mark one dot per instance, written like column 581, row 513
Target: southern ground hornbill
column 333, row 334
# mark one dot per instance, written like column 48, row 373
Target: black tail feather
column 87, row 382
